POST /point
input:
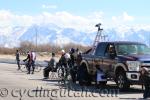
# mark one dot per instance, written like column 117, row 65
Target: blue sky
column 80, row 7
column 108, row 12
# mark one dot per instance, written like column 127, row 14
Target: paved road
column 16, row 85
column 12, row 61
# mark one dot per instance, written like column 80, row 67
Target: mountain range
column 53, row 34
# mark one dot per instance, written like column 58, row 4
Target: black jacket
column 145, row 79
column 17, row 56
column 63, row 60
column 29, row 58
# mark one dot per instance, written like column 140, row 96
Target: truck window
column 100, row 49
column 110, row 50
column 126, row 49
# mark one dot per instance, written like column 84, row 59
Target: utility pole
column 36, row 37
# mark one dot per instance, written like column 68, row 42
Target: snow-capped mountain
column 56, row 35
column 50, row 33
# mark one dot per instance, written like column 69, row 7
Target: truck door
column 109, row 59
column 99, row 53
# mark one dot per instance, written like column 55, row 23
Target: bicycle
column 63, row 74
column 24, row 67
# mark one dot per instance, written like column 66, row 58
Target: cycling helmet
column 63, row 51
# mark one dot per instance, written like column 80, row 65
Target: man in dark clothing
column 63, row 60
column 145, row 77
column 78, row 61
column 18, row 59
column 63, row 63
column 72, row 57
column 72, row 64
column 29, row 61
column 50, row 67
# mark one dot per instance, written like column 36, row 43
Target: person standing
column 33, row 55
column 63, row 63
column 145, row 77
column 18, row 59
column 73, row 65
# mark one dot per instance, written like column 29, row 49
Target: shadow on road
column 91, row 88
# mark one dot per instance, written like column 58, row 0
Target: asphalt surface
column 16, row 85
column 12, row 61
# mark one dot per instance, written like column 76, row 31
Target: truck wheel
column 122, row 82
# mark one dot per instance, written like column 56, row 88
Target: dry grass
column 43, row 51
column 42, row 48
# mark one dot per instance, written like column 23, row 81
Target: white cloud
column 126, row 17
column 8, row 18
column 62, row 19
column 44, row 6
column 65, row 19
column 122, row 18
column 68, row 20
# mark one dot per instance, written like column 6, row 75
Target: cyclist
column 29, row 61
column 50, row 67
column 63, row 62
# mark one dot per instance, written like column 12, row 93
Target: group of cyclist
column 67, row 61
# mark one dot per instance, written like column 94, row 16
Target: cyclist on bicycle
column 63, row 61
column 29, row 61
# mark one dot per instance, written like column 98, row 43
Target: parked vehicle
column 120, row 61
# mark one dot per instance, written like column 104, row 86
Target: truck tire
column 122, row 81
column 83, row 76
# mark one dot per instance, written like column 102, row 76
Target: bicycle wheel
column 23, row 68
column 59, row 72
column 67, row 75
column 37, row 68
